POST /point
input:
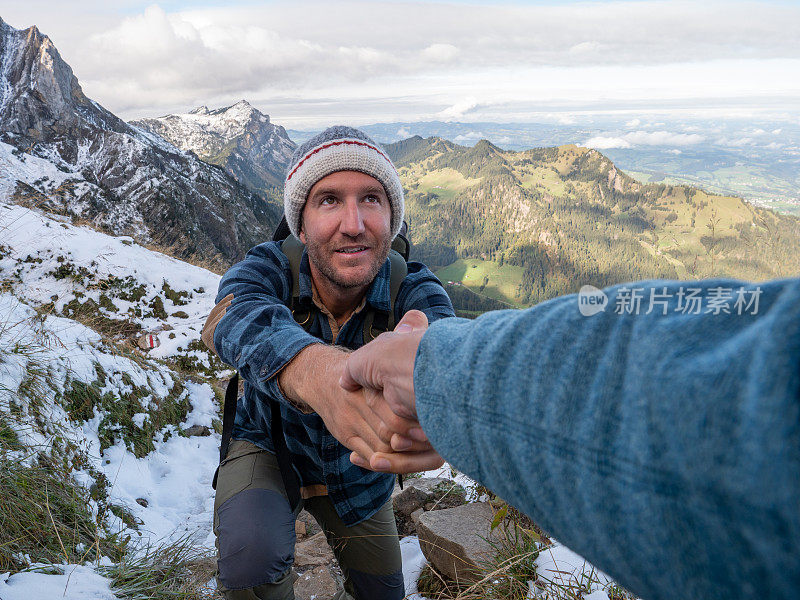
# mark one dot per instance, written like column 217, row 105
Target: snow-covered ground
column 47, row 267
column 167, row 491
column 47, row 260
column 76, row 582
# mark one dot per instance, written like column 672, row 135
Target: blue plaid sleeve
column 258, row 335
column 422, row 290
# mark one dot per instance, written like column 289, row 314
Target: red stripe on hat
column 339, row 143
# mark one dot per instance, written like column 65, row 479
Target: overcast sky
column 311, row 63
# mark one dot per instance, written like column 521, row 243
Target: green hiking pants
column 255, row 531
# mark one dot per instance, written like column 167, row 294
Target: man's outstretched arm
column 252, row 329
column 665, row 448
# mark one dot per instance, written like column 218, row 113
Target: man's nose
column 352, row 220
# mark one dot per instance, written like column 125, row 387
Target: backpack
column 375, row 323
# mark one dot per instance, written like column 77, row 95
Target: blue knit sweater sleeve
column 662, row 443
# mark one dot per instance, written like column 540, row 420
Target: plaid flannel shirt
column 258, row 336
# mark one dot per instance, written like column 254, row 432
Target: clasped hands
column 366, row 397
column 383, row 371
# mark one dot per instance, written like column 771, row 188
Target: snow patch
column 75, row 582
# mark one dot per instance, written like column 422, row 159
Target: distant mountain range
column 521, row 227
column 62, row 151
column 238, row 138
column 506, row 227
column 756, row 157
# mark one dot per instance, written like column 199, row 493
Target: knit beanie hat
column 339, row 148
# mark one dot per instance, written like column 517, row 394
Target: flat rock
column 415, row 517
column 316, row 584
column 415, row 494
column 196, row 430
column 313, row 552
column 453, row 541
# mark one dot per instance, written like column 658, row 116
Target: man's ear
column 301, row 235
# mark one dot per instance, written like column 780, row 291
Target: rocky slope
column 64, row 152
column 238, row 138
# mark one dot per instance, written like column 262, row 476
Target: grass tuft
column 45, row 515
column 179, row 570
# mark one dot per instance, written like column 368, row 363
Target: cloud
column 644, row 138
column 674, row 151
column 603, row 143
column 178, row 57
column 404, row 133
column 470, row 136
column 584, row 48
column 429, row 54
column 662, row 138
column 440, row 53
column 735, row 141
column 165, row 52
column 458, row 110
column 633, row 123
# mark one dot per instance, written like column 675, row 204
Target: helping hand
column 345, row 413
column 384, row 368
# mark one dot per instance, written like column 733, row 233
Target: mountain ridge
column 114, row 175
column 239, row 138
column 566, row 216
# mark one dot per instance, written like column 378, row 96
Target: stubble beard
column 318, row 256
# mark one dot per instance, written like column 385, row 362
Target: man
column 342, row 199
column 663, row 446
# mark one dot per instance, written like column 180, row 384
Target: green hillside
column 522, row 227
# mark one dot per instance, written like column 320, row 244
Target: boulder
column 420, row 492
column 299, row 528
column 148, row 341
column 415, row 493
column 454, row 540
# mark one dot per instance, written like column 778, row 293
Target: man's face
column 346, row 227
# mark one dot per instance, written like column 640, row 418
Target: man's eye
column 372, row 198
column 327, row 200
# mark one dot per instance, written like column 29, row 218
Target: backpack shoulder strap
column 293, row 249
column 377, row 322
column 398, row 273
column 228, row 417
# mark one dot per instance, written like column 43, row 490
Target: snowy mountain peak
column 238, row 137
column 41, row 97
column 241, row 112
column 241, row 104
column 228, row 122
column 64, row 152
